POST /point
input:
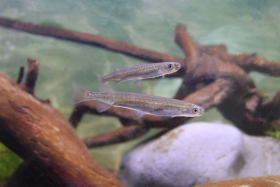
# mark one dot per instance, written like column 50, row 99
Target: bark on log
column 40, row 134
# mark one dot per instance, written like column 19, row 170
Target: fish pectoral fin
column 136, row 81
column 164, row 112
column 132, row 81
column 102, row 106
column 113, row 69
column 136, row 114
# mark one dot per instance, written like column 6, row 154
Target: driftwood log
column 211, row 78
column 41, row 135
column 269, row 181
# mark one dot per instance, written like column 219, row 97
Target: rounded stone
column 191, row 154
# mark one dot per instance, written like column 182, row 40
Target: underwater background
column 244, row 26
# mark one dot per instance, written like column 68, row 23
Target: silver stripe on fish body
column 137, row 73
column 140, row 103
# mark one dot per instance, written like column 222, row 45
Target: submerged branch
column 31, row 77
column 20, row 74
column 120, row 135
column 185, row 42
column 91, row 39
column 249, row 62
column 271, row 109
column 209, row 96
column 244, row 99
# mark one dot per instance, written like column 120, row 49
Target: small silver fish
column 141, row 104
column 136, row 73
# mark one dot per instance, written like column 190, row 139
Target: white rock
column 198, row 153
column 262, row 156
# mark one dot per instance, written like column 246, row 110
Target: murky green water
column 244, row 26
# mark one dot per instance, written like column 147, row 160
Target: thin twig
column 20, row 74
column 31, row 77
column 120, row 135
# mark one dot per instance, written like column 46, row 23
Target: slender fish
column 141, row 104
column 136, row 73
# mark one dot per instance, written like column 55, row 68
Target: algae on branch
column 9, row 161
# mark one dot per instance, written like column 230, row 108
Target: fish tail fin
column 100, row 79
column 100, row 83
column 113, row 84
column 79, row 94
column 102, row 86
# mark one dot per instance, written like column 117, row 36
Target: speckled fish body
column 140, row 103
column 137, row 73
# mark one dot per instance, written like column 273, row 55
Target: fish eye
column 194, row 110
column 170, row 66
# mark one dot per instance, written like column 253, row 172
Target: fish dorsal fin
column 104, row 88
column 113, row 69
column 102, row 106
column 136, row 114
